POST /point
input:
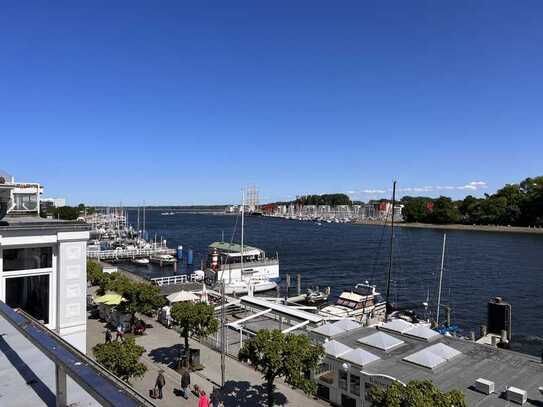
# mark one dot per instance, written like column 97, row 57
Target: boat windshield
column 363, row 290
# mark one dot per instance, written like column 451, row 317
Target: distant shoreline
column 472, row 228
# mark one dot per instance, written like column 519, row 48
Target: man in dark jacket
column 160, row 383
column 185, row 383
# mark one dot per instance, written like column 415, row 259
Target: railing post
column 60, row 376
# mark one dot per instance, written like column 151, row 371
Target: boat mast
column 441, row 278
column 387, row 310
column 242, row 227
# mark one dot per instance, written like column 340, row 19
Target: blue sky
column 185, row 102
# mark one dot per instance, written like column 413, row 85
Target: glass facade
column 31, row 294
column 25, row 202
column 27, row 258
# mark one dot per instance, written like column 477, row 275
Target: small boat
column 141, row 261
column 242, row 287
column 163, row 259
column 167, row 213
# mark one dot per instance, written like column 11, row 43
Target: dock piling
column 299, row 283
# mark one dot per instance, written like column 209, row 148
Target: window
column 323, row 392
column 343, row 380
column 347, row 401
column 25, row 202
column 28, row 258
column 355, row 385
column 31, row 294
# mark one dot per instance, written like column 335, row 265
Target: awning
column 182, row 296
column 109, row 299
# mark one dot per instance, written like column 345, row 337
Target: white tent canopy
column 182, row 296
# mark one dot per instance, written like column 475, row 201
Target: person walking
column 108, row 336
column 203, row 400
column 185, row 383
column 120, row 333
column 160, row 383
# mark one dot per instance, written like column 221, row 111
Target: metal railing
column 128, row 253
column 181, row 279
column 102, row 385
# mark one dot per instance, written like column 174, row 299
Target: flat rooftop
column 32, row 222
column 504, row 367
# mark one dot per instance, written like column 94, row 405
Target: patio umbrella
column 182, row 296
column 109, row 299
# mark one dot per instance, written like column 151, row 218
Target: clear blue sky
column 185, row 102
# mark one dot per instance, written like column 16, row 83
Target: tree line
column 324, row 199
column 513, row 205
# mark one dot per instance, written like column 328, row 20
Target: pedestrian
column 203, row 400
column 120, row 333
column 216, row 398
column 108, row 336
column 185, row 383
column 160, row 383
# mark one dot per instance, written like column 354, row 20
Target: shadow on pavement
column 166, row 355
column 242, row 393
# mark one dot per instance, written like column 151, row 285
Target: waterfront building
column 43, row 267
column 359, row 358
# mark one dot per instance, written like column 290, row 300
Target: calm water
column 478, row 265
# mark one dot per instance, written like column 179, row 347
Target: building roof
column 33, row 222
column 457, row 371
column 282, row 309
column 347, row 324
column 397, row 325
column 381, row 340
column 359, row 357
column 432, row 356
column 329, row 330
column 335, row 348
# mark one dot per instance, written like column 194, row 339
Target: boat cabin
column 230, row 253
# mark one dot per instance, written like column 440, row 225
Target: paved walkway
column 244, row 386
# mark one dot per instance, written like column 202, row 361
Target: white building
column 43, row 267
column 54, row 202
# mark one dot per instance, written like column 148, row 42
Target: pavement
column 243, row 386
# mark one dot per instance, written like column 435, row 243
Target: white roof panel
column 397, row 325
column 347, row 324
column 359, row 357
column 329, row 330
column 422, row 332
column 432, row 356
column 335, row 348
column 284, row 309
column 381, row 340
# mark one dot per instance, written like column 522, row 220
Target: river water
column 478, row 265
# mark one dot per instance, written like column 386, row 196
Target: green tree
column 94, row 272
column 532, row 204
column 444, row 211
column 415, row 394
column 416, row 209
column 121, row 358
column 278, row 355
column 142, row 297
column 194, row 319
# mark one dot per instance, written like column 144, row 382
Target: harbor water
column 478, row 265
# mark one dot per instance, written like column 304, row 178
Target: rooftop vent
column 516, row 395
column 421, row 332
column 335, row 348
column 347, row 324
column 397, row 325
column 484, row 386
column 329, row 330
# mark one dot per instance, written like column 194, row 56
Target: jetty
column 127, row 254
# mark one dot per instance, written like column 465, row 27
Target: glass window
column 343, row 380
column 25, row 202
column 355, row 385
column 27, row 258
column 31, row 294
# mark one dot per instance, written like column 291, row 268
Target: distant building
column 25, row 196
column 48, row 203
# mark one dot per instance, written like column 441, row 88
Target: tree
column 121, row 358
column 444, row 211
column 194, row 319
column 94, row 272
column 142, row 297
column 278, row 355
column 416, row 209
column 415, row 394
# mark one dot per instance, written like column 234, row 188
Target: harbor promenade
column 243, row 385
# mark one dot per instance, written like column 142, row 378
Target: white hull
column 243, row 287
